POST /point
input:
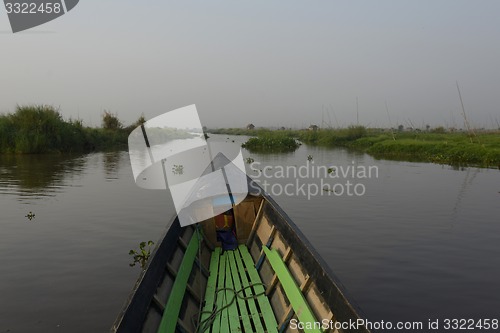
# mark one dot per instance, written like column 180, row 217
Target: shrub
column 41, row 129
column 110, row 121
column 355, row 132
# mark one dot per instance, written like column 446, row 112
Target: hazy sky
column 272, row 63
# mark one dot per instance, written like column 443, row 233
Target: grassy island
column 272, row 141
column 479, row 148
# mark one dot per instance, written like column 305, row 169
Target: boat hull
column 295, row 276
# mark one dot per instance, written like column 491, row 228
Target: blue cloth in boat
column 227, row 239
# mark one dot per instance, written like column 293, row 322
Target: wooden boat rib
column 274, row 281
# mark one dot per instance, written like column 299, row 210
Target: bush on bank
column 41, row 129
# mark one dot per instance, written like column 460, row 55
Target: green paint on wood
column 228, row 274
column 292, row 291
column 232, row 310
column 238, row 286
column 267, row 311
column 252, row 306
column 211, row 287
column 220, row 321
column 174, row 303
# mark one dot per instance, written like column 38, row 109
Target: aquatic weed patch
column 272, row 141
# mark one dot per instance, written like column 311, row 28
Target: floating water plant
column 142, row 256
column 178, row 169
column 268, row 141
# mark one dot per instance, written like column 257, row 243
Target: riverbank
column 438, row 146
column 41, row 129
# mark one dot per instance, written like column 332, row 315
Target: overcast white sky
column 272, row 63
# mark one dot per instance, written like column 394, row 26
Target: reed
column 332, row 137
column 41, row 129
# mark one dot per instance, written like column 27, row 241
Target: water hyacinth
column 272, row 141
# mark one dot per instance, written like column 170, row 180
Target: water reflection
column 419, row 239
column 111, row 164
column 469, row 177
column 37, row 176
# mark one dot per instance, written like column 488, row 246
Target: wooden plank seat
column 293, row 293
column 235, row 299
column 166, row 293
column 173, row 307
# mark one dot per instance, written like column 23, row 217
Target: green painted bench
column 225, row 312
column 174, row 303
column 292, row 291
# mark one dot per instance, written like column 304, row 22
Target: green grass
column 272, row 141
column 438, row 146
column 448, row 149
column 444, row 148
column 338, row 137
column 41, row 129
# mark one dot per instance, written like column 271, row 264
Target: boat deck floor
column 235, row 299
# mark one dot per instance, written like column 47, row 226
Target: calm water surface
column 422, row 242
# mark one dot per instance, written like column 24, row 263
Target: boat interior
column 247, row 270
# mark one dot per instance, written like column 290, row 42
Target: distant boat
column 273, row 281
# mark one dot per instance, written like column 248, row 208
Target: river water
column 409, row 241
